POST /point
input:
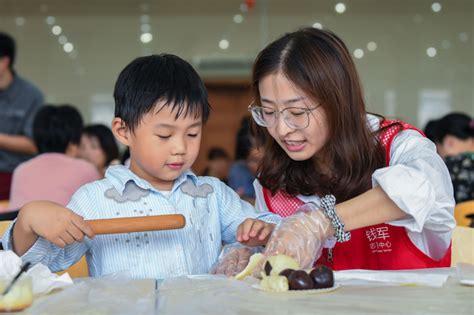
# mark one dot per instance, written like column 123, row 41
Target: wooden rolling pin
column 138, row 224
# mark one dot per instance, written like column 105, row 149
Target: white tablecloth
column 217, row 295
column 212, row 295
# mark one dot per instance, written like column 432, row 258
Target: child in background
column 373, row 192
column 160, row 107
column 99, row 147
column 57, row 172
column 248, row 156
column 218, row 163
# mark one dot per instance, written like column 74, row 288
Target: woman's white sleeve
column 418, row 181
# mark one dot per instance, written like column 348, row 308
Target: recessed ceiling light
column 146, row 38
column 68, row 47
column 56, row 30
column 224, row 44
column 436, row 7
column 431, row 52
column 238, row 18
column 50, row 20
column 371, row 46
column 358, row 53
column 340, row 8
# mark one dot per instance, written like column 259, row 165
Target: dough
column 253, row 263
column 18, row 298
column 274, row 283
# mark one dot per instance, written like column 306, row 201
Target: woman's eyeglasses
column 294, row 117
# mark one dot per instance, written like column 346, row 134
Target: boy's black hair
column 164, row 77
column 54, row 127
column 106, row 140
column 7, row 48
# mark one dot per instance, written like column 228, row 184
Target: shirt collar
column 119, row 175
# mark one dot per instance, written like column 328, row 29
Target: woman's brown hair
column 319, row 64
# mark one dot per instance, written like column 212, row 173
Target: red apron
column 376, row 247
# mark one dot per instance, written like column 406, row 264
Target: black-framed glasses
column 294, row 117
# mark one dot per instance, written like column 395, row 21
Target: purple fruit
column 287, row 272
column 300, row 280
column 322, row 277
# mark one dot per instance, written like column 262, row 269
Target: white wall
column 107, row 38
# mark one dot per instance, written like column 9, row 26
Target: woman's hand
column 233, row 261
column 300, row 236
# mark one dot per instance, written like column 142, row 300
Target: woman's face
column 278, row 93
column 91, row 151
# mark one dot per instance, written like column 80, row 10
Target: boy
column 160, row 108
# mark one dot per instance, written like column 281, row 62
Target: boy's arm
column 234, row 211
column 51, row 221
column 35, row 235
column 241, row 222
column 22, row 236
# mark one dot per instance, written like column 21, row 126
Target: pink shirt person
column 50, row 176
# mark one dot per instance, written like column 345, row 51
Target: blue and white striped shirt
column 210, row 221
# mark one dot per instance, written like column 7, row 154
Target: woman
column 372, row 192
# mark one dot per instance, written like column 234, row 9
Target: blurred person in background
column 247, row 160
column 218, row 164
column 99, row 147
column 19, row 102
column 57, row 172
column 453, row 135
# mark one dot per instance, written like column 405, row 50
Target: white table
column 217, row 295
column 222, row 296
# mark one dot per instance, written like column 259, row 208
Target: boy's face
column 162, row 147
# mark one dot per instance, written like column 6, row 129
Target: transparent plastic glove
column 233, row 259
column 301, row 236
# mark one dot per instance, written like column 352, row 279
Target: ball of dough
column 274, row 283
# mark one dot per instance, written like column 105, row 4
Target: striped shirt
column 211, row 220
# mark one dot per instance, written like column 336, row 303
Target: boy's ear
column 121, row 131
